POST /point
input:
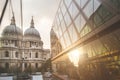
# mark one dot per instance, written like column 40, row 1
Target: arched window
column 6, row 65
column 6, row 54
column 36, row 55
column 16, row 54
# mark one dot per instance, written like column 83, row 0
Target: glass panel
column 62, row 43
column 63, row 26
column 115, row 3
column 78, row 2
column 73, row 33
column 105, row 40
column 67, row 19
column 78, row 23
column 117, row 38
column 60, row 16
column 96, row 4
column 87, row 29
column 104, row 13
column 88, row 50
column 63, row 9
column 99, row 47
column 61, row 4
column 82, row 22
column 92, row 49
column 85, row 51
column 117, row 34
column 67, row 2
column 67, row 39
column 60, row 31
column 84, row 31
column 95, row 48
column 111, row 42
column 73, row 10
column 97, row 20
column 57, row 33
column 88, row 10
column 83, row 2
column 58, row 21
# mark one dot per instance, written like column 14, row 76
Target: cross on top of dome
column 32, row 23
column 13, row 20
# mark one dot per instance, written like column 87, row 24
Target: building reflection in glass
column 94, row 26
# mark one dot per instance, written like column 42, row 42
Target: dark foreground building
column 85, row 40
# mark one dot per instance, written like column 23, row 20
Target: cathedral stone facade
column 20, row 52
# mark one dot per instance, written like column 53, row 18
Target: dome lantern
column 31, row 33
column 32, row 23
column 13, row 20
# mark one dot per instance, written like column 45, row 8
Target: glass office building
column 93, row 28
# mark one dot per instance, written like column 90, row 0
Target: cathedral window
column 30, row 55
column 6, row 42
column 16, row 54
column 16, row 43
column 36, row 55
column 7, row 65
column 30, row 44
column 6, row 54
column 36, row 44
column 36, row 65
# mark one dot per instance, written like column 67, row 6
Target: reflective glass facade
column 94, row 27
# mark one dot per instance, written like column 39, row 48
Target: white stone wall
column 25, row 53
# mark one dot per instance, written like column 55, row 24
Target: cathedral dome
column 32, row 33
column 12, row 31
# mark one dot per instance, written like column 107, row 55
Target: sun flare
column 74, row 56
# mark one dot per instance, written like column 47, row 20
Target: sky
column 43, row 12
